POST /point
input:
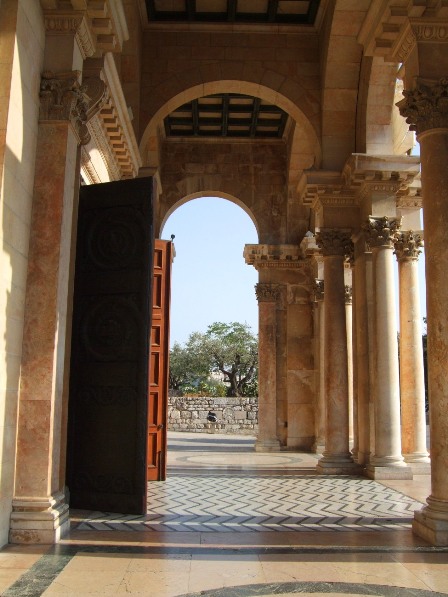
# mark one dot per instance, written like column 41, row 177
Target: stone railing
column 233, row 415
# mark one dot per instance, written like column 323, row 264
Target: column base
column 267, row 445
column 338, row 465
column 362, row 458
column 319, row 447
column 379, row 472
column 419, row 463
column 36, row 520
column 431, row 522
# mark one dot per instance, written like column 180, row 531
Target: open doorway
column 211, row 285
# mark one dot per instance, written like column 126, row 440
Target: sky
column 210, row 280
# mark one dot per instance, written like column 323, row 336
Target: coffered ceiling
column 289, row 12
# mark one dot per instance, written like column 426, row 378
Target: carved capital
column 348, row 295
column 380, row 232
column 408, row 245
column 334, row 241
column 425, row 106
column 63, row 98
column 267, row 293
column 319, row 290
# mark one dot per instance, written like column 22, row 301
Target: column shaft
column 349, row 331
column 337, row 458
column 387, row 461
column 432, row 522
column 320, row 419
column 362, row 353
column 267, row 440
column 412, row 381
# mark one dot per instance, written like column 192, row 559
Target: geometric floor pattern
column 270, row 502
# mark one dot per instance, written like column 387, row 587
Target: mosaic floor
column 233, row 523
column 242, row 503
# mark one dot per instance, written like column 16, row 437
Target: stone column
column 426, row 108
column 387, row 461
column 40, row 512
column 319, row 445
column 349, row 328
column 412, row 377
column 336, row 458
column 362, row 339
column 267, row 296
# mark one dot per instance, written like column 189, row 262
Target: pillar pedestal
column 39, row 521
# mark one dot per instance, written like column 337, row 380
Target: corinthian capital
column 425, row 106
column 334, row 241
column 380, row 232
column 62, row 97
column 267, row 293
column 408, row 245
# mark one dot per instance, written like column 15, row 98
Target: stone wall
column 234, row 415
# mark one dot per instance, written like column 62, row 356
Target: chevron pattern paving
column 240, row 503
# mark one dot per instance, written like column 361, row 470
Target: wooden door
column 106, row 463
column 159, row 361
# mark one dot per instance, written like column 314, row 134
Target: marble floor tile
column 230, row 522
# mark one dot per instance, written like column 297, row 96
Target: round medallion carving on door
column 114, row 240
column 110, row 330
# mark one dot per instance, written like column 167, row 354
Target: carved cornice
column 348, row 295
column 97, row 26
column 392, row 29
column 319, row 290
column 334, row 241
column 381, row 232
column 408, row 245
column 268, row 293
column 62, row 98
column 276, row 256
column 425, row 106
column 100, row 142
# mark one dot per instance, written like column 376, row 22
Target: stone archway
column 301, row 107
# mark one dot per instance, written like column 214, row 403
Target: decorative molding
column 117, row 123
column 100, row 142
column 97, row 26
column 268, row 293
column 408, row 245
column 319, row 290
column 381, row 231
column 275, row 256
column 425, row 106
column 425, row 30
column 334, row 241
column 392, row 30
column 86, row 40
column 62, row 98
column 348, row 295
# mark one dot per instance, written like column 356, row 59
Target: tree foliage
column 228, row 349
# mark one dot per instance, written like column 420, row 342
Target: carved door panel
column 106, row 456
column 159, row 361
